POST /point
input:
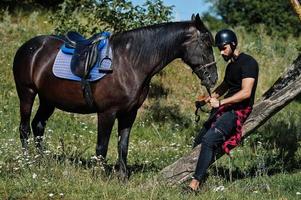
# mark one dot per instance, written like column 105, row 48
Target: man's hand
column 201, row 101
column 214, row 102
column 207, row 99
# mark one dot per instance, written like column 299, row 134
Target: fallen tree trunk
column 297, row 8
column 284, row 90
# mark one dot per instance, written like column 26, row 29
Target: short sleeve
column 250, row 69
column 226, row 77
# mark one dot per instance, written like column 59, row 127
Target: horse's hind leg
column 38, row 123
column 26, row 97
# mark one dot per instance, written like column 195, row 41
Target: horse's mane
column 166, row 34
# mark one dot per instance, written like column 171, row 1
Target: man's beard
column 230, row 56
column 227, row 58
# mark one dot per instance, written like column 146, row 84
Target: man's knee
column 226, row 123
column 213, row 138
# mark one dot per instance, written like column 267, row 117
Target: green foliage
column 13, row 4
column 274, row 136
column 90, row 16
column 213, row 22
column 277, row 15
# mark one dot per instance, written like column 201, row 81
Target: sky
column 183, row 9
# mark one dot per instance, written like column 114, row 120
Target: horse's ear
column 199, row 24
column 192, row 17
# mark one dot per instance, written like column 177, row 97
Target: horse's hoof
column 122, row 173
column 25, row 151
column 101, row 162
column 40, row 148
column 123, row 177
column 24, row 144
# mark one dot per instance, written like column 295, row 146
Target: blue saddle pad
column 62, row 69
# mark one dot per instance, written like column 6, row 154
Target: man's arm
column 244, row 93
column 220, row 90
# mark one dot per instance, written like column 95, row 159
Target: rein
column 199, row 106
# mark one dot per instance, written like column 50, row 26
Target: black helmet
column 225, row 36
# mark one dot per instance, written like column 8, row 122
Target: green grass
column 266, row 166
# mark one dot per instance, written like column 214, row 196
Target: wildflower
column 173, row 144
column 47, row 152
column 219, row 188
column 34, row 175
column 65, row 173
column 298, row 193
column 51, row 195
column 94, row 158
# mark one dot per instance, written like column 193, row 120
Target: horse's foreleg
column 38, row 124
column 26, row 96
column 125, row 123
column 105, row 125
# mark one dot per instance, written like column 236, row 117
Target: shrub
column 90, row 16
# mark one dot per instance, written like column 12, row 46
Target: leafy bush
column 90, row 16
column 13, row 4
column 277, row 15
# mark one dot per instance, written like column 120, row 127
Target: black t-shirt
column 245, row 66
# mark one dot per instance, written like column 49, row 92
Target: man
column 224, row 126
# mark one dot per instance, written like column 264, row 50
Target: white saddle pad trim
column 61, row 67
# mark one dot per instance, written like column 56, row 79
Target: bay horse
column 137, row 56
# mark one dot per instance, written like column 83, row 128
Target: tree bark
column 297, row 8
column 284, row 90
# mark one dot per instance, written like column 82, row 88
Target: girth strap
column 86, row 55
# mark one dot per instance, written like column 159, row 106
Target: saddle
column 86, row 52
column 85, row 56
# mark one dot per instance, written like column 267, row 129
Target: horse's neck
column 157, row 59
column 153, row 55
column 142, row 53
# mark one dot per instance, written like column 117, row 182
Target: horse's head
column 198, row 52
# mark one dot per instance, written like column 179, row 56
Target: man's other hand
column 214, row 102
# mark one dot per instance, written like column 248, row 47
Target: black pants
column 211, row 140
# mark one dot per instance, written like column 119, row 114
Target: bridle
column 202, row 66
column 197, row 116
